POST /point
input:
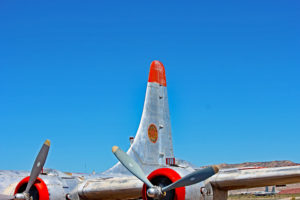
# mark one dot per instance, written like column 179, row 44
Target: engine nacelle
column 165, row 176
column 38, row 191
column 49, row 187
column 162, row 177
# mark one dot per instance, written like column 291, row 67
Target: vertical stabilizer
column 152, row 144
column 267, row 189
column 273, row 190
column 153, row 141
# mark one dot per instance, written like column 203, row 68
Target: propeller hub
column 23, row 195
column 20, row 196
column 155, row 192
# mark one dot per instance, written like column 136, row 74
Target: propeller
column 157, row 192
column 131, row 165
column 38, row 165
column 35, row 171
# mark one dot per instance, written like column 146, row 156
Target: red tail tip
column 157, row 73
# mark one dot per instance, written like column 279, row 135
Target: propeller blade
column 195, row 177
column 6, row 197
column 131, row 165
column 38, row 165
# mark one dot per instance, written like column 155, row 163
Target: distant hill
column 280, row 163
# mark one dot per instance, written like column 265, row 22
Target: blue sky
column 76, row 72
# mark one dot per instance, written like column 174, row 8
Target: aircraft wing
column 111, row 188
column 83, row 187
column 233, row 179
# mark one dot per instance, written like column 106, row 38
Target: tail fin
column 267, row 189
column 152, row 144
column 153, row 141
column 273, row 189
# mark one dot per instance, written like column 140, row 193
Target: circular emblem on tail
column 152, row 133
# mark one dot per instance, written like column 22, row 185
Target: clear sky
column 76, row 72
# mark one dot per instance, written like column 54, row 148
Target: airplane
column 148, row 170
column 266, row 192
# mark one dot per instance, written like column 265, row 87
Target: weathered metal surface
column 9, row 180
column 238, row 179
column 111, row 188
